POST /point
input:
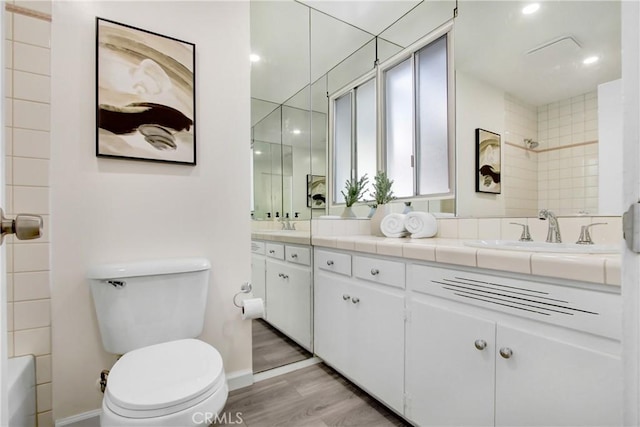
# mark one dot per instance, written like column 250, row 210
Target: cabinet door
column 289, row 300
column 331, row 301
column 258, row 279
column 449, row 381
column 554, row 383
column 376, row 341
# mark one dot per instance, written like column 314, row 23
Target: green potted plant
column 382, row 195
column 355, row 190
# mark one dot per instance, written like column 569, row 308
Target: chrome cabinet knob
column 355, row 300
column 346, row 297
column 271, row 251
column 24, row 226
column 294, row 255
column 329, row 262
column 480, row 344
column 375, row 271
column 506, row 352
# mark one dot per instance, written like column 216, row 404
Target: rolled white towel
column 392, row 225
column 421, row 224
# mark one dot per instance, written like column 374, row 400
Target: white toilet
column 150, row 312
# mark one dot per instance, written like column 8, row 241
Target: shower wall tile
column 27, row 148
column 32, row 341
column 31, row 143
column 31, row 30
column 31, row 285
column 31, row 87
column 31, row 172
column 30, row 58
column 31, row 314
column 568, row 174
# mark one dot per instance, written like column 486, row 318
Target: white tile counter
column 594, row 268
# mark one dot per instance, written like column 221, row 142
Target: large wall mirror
column 521, row 76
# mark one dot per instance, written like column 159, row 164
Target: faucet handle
column 585, row 236
column 525, row 236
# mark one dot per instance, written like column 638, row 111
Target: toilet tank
column 150, row 302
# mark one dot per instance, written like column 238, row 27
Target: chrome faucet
column 553, row 235
column 286, row 223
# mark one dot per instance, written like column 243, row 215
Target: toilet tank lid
column 148, row 268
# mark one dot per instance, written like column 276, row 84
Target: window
column 415, row 107
column 417, row 149
column 354, row 136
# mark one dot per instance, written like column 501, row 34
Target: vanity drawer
column 275, row 250
column 379, row 271
column 298, row 254
column 257, row 247
column 334, row 262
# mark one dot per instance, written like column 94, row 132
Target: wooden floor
column 316, row 396
column 272, row 349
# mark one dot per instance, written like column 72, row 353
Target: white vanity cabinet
column 258, row 269
column 476, row 357
column 359, row 321
column 288, row 291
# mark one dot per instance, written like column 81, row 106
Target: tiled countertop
column 594, row 268
column 300, row 237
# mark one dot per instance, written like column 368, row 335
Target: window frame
column 349, row 88
column 410, row 52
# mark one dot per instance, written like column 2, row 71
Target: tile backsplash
column 489, row 228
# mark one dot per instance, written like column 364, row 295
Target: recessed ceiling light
column 590, row 60
column 296, row 131
column 529, row 9
column 254, row 58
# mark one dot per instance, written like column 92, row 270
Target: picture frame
column 316, row 191
column 145, row 95
column 488, row 162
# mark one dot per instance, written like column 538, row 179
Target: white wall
column 610, row 114
column 106, row 210
column 477, row 106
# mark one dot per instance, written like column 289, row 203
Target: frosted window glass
column 341, row 146
column 366, row 132
column 432, row 135
column 399, row 123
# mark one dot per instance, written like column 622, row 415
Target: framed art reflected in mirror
column 488, row 162
column 316, row 191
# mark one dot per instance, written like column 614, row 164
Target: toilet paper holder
column 244, row 289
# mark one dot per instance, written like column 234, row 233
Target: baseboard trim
column 239, row 379
column 86, row 419
column 261, row 376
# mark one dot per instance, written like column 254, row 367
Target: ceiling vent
column 561, row 44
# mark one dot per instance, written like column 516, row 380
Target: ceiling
column 303, row 40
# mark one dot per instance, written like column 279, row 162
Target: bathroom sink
column 516, row 245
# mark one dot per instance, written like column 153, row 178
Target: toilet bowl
column 178, row 383
column 151, row 312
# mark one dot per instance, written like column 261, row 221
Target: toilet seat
column 164, row 378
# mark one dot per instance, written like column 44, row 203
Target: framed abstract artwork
column 145, row 93
column 488, row 155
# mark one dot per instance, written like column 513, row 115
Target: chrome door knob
column 506, row 352
column 24, row 226
column 480, row 344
